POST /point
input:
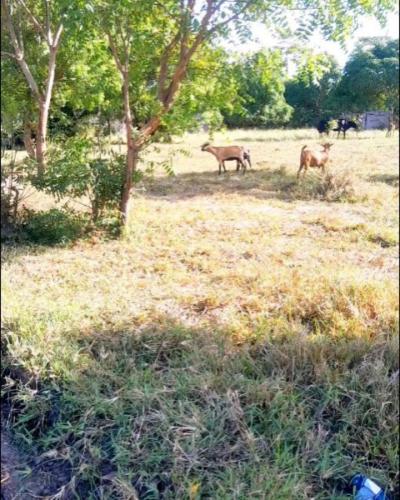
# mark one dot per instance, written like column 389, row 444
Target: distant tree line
column 319, row 89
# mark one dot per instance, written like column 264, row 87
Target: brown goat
column 246, row 156
column 223, row 154
column 310, row 158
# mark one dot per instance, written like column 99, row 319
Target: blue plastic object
column 367, row 489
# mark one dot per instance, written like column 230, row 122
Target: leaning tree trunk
column 134, row 146
column 132, row 152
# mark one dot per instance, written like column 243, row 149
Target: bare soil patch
column 24, row 477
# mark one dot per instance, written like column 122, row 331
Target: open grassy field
column 239, row 341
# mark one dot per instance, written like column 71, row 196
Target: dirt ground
column 24, row 478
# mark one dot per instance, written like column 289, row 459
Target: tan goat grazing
column 223, row 154
column 310, row 158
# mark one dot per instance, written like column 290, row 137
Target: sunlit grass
column 239, row 341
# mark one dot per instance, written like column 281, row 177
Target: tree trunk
column 132, row 151
column 44, row 107
column 95, row 211
column 28, row 141
column 41, row 132
column 43, row 98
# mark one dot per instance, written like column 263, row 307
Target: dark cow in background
column 323, row 127
column 343, row 125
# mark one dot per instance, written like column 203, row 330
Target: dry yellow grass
column 198, row 236
column 255, row 259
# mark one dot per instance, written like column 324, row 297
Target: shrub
column 331, row 187
column 14, row 190
column 7, row 228
column 337, row 187
column 72, row 172
column 52, row 227
column 110, row 224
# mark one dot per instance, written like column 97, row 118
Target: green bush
column 52, row 227
column 72, row 172
column 110, row 224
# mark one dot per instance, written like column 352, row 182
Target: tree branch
column 181, row 35
column 185, row 55
column 18, row 32
column 164, row 65
column 203, row 25
column 126, row 39
column 160, row 4
column 125, row 42
column 114, row 51
column 230, row 19
column 57, row 36
column 35, row 22
column 147, row 130
column 48, row 29
column 19, row 55
column 8, row 54
column 167, row 96
column 50, row 75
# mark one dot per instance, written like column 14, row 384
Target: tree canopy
column 371, row 77
column 260, row 79
column 309, row 92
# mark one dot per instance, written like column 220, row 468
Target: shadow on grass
column 257, row 182
column 55, row 228
column 34, row 231
column 390, row 179
column 15, row 249
column 150, row 412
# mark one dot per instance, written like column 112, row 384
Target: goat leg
column 303, row 167
column 299, row 171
